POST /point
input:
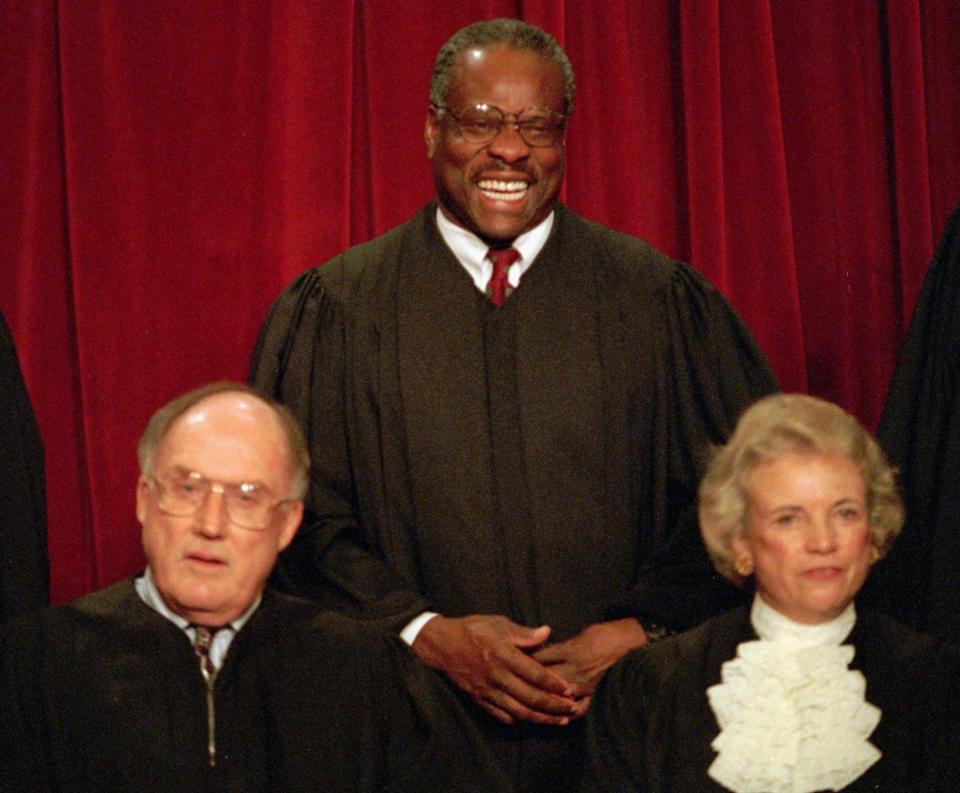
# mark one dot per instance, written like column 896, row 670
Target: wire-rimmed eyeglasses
column 538, row 127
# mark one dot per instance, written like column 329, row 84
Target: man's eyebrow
column 184, row 471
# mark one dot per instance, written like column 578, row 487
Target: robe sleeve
column 355, row 710
column 300, row 360
column 615, row 738
column 433, row 744
column 714, row 369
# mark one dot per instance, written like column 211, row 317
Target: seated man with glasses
column 507, row 406
column 195, row 676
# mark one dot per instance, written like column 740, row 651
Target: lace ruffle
column 793, row 719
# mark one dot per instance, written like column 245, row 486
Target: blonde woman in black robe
column 800, row 691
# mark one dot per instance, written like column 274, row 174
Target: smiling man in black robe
column 506, row 405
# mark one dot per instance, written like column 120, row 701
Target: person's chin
column 825, row 605
column 501, row 221
column 497, row 227
column 197, row 602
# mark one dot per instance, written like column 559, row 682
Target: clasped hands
column 514, row 674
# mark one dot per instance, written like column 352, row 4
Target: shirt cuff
column 410, row 633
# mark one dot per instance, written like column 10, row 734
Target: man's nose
column 211, row 517
column 508, row 144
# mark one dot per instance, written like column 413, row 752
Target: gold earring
column 874, row 555
column 743, row 565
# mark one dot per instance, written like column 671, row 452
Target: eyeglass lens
column 483, row 123
column 248, row 505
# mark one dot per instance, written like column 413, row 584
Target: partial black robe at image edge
column 24, row 572
column 919, row 581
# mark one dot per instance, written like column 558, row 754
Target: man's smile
column 503, row 190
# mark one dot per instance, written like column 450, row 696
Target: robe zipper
column 211, row 720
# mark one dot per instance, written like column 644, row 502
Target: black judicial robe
column 24, row 576
column 919, row 580
column 650, row 726
column 538, row 461
column 106, row 696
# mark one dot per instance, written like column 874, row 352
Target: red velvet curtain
column 166, row 167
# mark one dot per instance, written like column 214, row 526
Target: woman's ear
column 742, row 556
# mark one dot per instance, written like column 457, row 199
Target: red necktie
column 498, row 289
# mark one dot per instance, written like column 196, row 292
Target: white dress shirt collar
column 471, row 251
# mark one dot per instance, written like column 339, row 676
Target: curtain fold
column 913, row 229
column 168, row 167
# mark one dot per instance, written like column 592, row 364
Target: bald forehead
column 231, row 407
column 481, row 52
column 231, row 418
column 502, row 64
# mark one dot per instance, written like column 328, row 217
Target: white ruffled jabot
column 793, row 717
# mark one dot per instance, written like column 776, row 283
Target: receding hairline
column 489, row 34
column 170, row 415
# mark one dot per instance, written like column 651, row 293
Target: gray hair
column 775, row 427
column 511, row 32
column 162, row 421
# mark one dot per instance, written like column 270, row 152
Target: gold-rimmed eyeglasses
column 249, row 505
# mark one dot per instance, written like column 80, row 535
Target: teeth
column 503, row 190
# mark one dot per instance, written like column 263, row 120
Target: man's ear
column 430, row 132
column 291, row 522
column 143, row 493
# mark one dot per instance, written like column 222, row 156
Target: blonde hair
column 775, row 427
